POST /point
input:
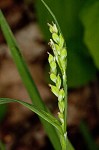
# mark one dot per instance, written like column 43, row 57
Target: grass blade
column 46, row 116
column 27, row 79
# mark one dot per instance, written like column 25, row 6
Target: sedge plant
column 56, row 128
column 59, row 59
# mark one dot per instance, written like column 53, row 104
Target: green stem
column 65, row 111
column 63, row 142
column 65, row 99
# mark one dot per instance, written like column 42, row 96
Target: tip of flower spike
column 52, row 28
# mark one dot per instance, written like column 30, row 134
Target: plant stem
column 65, row 113
column 63, row 142
column 65, row 99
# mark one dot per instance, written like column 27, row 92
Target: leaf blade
column 46, row 116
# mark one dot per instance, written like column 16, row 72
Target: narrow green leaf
column 27, row 80
column 47, row 116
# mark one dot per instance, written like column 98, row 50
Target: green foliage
column 90, row 19
column 81, row 68
column 27, row 80
column 31, row 87
column 46, row 116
